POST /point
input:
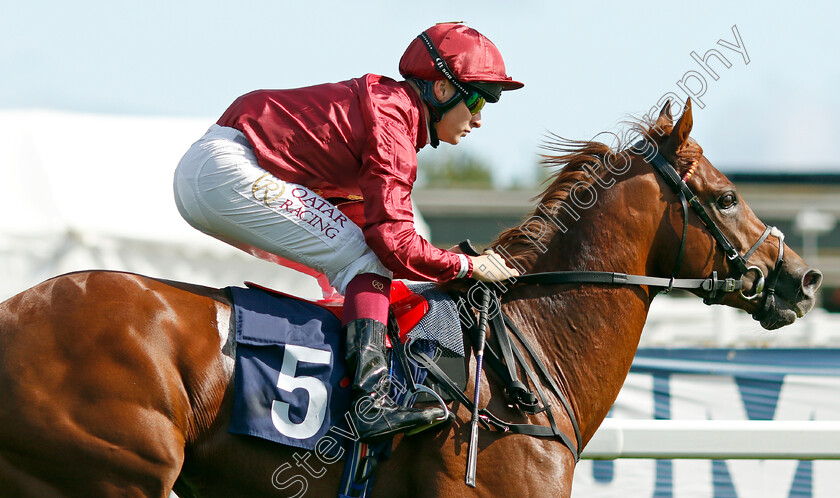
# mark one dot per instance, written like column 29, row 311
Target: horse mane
column 577, row 161
column 570, row 157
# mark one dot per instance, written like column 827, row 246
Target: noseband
column 764, row 287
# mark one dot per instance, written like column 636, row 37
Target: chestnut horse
column 115, row 384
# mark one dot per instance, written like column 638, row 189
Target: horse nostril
column 811, row 282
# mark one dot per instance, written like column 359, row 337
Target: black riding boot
column 373, row 412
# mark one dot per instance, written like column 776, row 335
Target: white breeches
column 222, row 191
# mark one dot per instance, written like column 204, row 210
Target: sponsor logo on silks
column 267, row 184
column 303, row 204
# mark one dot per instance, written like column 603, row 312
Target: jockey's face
column 456, row 123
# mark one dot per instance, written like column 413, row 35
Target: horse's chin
column 777, row 318
column 781, row 313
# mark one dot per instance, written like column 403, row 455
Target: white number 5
column 317, row 408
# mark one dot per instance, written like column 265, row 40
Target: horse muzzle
column 794, row 297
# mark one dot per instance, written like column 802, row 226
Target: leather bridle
column 715, row 287
column 763, row 289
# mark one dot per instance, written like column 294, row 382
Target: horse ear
column 665, row 120
column 679, row 135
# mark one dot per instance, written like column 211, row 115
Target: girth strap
column 507, row 369
column 487, row 418
column 399, row 351
column 546, row 375
column 515, row 388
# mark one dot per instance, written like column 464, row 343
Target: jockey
column 319, row 178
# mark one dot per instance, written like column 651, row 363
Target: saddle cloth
column 289, row 367
column 290, row 382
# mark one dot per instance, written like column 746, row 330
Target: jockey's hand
column 490, row 267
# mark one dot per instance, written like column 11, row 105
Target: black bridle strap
column 773, row 278
column 672, row 178
column 678, row 185
column 683, row 239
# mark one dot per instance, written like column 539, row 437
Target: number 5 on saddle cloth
column 290, row 381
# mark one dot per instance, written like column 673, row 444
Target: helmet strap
column 436, row 108
column 434, row 141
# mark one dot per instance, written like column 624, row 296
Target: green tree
column 455, row 170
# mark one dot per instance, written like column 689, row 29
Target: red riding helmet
column 469, row 54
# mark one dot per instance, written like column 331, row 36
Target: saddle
column 407, row 306
column 408, row 309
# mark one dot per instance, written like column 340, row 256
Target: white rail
column 715, row 439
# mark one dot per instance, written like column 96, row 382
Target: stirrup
column 409, row 400
column 447, row 415
column 396, row 420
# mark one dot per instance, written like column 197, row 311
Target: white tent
column 82, row 191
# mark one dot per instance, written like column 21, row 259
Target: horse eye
column 727, row 200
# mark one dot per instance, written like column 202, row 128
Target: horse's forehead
column 712, row 176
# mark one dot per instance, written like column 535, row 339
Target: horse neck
column 588, row 334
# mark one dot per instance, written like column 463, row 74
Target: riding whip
column 472, row 451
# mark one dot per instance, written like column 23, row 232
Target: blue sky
column 586, row 65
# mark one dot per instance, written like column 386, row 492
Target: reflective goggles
column 475, row 102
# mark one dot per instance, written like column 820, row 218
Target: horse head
column 659, row 208
column 617, row 226
column 777, row 286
